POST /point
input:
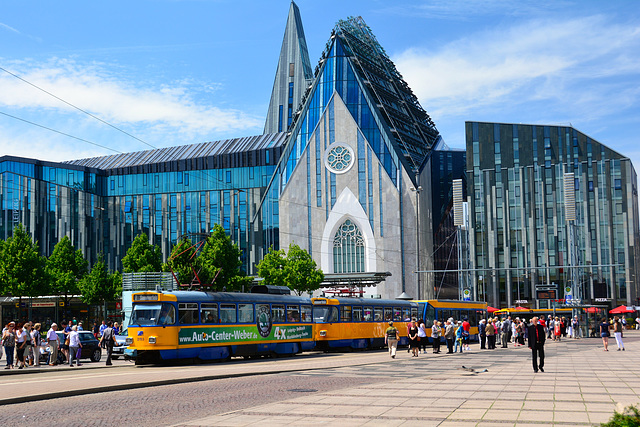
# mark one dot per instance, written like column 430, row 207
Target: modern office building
column 344, row 170
column 550, row 208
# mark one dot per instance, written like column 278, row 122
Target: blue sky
column 179, row 72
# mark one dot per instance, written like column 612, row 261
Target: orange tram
column 199, row 325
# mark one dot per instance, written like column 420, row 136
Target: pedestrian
column 75, row 346
column 637, row 323
column 604, row 333
column 422, row 337
column 482, row 329
column 519, row 333
column 557, row 329
column 28, row 357
column 52, row 340
column 536, row 344
column 96, row 329
column 9, row 343
column 563, row 327
column 21, row 343
column 103, row 326
column 391, row 337
column 449, row 335
column 64, row 344
column 550, row 328
column 617, row 332
column 108, row 340
column 505, row 328
column 491, row 335
column 436, row 333
column 36, row 341
column 575, row 327
column 80, row 328
column 414, row 344
column 459, row 337
column 116, row 328
column 466, row 333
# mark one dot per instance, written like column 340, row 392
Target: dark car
column 90, row 346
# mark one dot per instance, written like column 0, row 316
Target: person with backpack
column 108, row 340
column 391, row 337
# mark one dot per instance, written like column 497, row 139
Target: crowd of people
column 505, row 331
column 26, row 343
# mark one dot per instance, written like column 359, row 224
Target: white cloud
column 534, row 61
column 143, row 109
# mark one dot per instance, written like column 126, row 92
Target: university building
column 343, row 169
column 550, row 208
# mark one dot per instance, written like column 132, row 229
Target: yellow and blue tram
column 210, row 326
column 359, row 323
column 441, row 310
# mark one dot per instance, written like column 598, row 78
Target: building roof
column 182, row 152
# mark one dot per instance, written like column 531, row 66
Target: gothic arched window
column 348, row 249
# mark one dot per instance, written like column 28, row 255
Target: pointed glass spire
column 293, row 75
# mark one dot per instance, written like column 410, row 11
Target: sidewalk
column 581, row 385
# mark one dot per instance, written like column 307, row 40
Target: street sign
column 466, row 295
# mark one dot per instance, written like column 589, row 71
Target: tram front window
column 325, row 314
column 153, row 314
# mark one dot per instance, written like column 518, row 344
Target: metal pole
column 418, row 188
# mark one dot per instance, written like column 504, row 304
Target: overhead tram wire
column 59, row 132
column 76, row 107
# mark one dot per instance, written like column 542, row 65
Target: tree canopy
column 22, row 270
column 100, row 286
column 142, row 256
column 295, row 269
column 65, row 267
column 219, row 262
column 182, row 260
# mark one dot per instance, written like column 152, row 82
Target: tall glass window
column 348, row 249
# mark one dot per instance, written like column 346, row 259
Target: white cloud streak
column 535, row 61
column 141, row 108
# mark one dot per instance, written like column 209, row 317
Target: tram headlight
column 128, row 341
column 152, row 340
column 323, row 333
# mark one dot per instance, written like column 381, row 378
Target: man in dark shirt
column 536, row 344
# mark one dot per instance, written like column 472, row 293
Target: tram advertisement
column 213, row 335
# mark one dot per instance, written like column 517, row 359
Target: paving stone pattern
column 581, row 385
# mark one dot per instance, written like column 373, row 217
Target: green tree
column 272, row 268
column 302, row 273
column 100, row 286
column 65, row 267
column 219, row 262
column 182, row 261
column 295, row 269
column 142, row 256
column 22, row 271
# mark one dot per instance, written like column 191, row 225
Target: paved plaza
column 581, row 385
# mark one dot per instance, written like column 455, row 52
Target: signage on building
column 43, row 304
column 466, row 295
column 522, row 301
column 603, row 299
column 118, row 306
column 546, row 294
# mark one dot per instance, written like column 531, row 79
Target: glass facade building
column 550, row 207
column 103, row 203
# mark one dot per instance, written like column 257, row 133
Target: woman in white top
column 422, row 336
column 21, row 343
column 74, row 346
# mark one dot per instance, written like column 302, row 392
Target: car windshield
column 325, row 314
column 153, row 314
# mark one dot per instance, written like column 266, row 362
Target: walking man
column 505, row 328
column 108, row 340
column 52, row 340
column 483, row 334
column 391, row 337
column 536, row 344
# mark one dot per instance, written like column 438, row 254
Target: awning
column 620, row 310
column 491, row 309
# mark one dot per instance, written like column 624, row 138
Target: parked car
column 118, row 350
column 90, row 347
